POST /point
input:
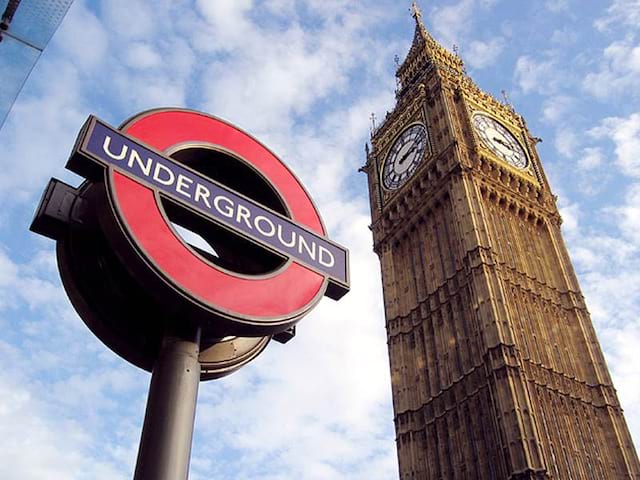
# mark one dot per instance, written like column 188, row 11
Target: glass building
column 25, row 30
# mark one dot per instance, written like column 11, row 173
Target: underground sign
column 166, row 171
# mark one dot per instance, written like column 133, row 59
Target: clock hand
column 502, row 142
column 404, row 157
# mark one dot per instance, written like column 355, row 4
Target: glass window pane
column 30, row 29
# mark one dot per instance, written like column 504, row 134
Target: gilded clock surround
column 495, row 367
column 483, row 122
column 390, row 158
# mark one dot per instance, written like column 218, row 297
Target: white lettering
column 135, row 158
column 227, row 210
column 322, row 253
column 289, row 244
column 160, row 169
column 183, row 182
column 202, row 192
column 259, row 219
column 243, row 214
column 107, row 144
column 303, row 243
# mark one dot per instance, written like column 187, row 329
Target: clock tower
column 496, row 370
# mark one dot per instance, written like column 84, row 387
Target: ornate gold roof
column 425, row 49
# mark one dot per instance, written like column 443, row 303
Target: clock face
column 500, row 141
column 404, row 157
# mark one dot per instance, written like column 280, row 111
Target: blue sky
column 304, row 77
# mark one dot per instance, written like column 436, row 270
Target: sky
column 304, row 78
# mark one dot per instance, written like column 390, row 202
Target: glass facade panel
column 27, row 27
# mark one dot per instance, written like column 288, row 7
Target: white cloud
column 17, row 286
column 535, row 76
column 558, row 6
column 611, row 297
column 557, row 107
column 483, row 54
column 149, row 20
column 620, row 12
column 607, row 265
column 85, row 38
column 566, row 141
column 621, row 347
column 142, row 55
column 570, row 214
column 29, row 155
column 625, row 134
column 281, row 8
column 322, row 155
column 564, row 37
column 51, row 429
column 8, row 271
column 592, row 157
column 230, row 26
column 280, row 72
column 618, row 73
column 451, row 22
column 35, row 445
column 452, row 25
column 600, row 251
column 628, row 214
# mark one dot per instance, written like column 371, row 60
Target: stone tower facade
column 495, row 366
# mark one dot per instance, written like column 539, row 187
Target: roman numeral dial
column 404, row 156
column 497, row 138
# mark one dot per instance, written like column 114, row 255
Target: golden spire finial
column 415, row 11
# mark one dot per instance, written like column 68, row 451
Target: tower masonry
column 496, row 370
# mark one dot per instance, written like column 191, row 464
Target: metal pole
column 165, row 446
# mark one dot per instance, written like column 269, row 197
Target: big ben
column 496, row 370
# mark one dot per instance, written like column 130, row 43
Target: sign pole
column 165, row 445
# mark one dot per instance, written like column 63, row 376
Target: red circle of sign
column 286, row 294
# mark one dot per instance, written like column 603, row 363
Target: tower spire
column 416, row 12
column 424, row 51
